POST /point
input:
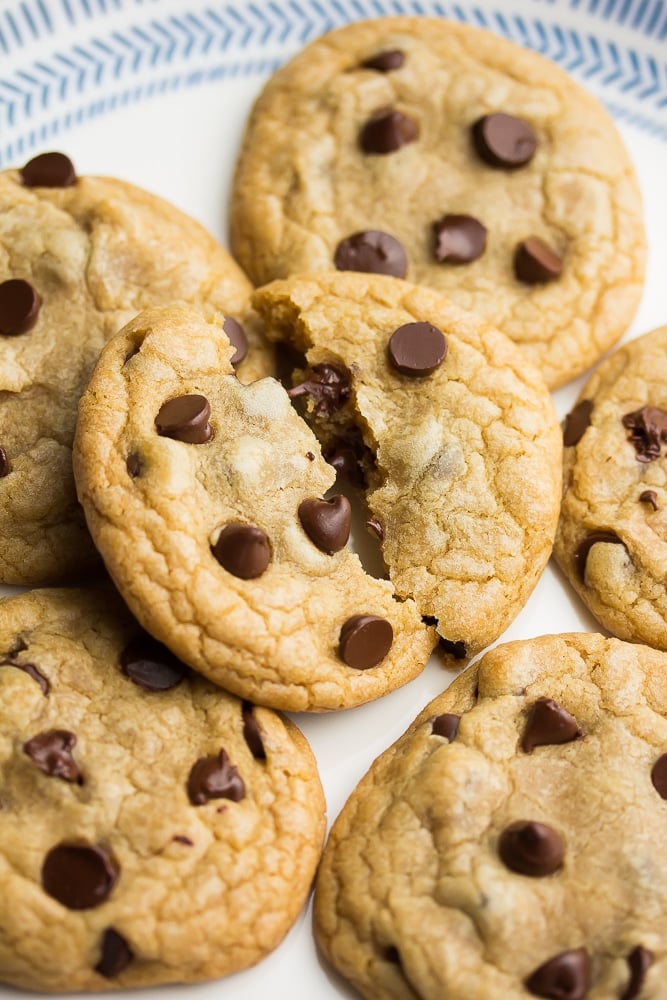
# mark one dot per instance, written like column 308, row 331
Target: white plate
column 157, row 91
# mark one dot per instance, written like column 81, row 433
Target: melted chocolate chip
column 49, row 170
column 446, row 725
column 548, row 724
column 51, row 752
column 417, row 349
column 237, row 338
column 31, row 670
column 581, row 553
column 185, row 418
column 502, row 140
column 385, row 62
column 345, row 460
column 566, row 976
column 536, row 263
column 19, row 307
column 133, row 465
column 251, row 732
column 456, row 649
column 116, row 954
column 459, row 239
column 386, row 131
column 648, row 429
column 328, row 385
column 649, row 496
column 531, row 848
column 577, row 423
column 372, row 252
column 375, row 526
column 80, row 876
column 365, row 640
column 639, row 960
column 659, row 776
column 5, row 467
column 243, row 550
column 327, row 522
column 214, row 778
column 151, row 665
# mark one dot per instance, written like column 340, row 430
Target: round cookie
column 612, row 535
column 153, row 828
column 442, row 153
column 456, row 434
column 205, row 499
column 78, row 258
column 508, row 845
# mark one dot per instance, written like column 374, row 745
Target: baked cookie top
column 612, row 535
column 439, row 152
column 77, row 261
column 153, row 828
column 508, row 844
column 205, row 498
column 456, row 435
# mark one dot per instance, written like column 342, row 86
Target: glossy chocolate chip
column 237, row 338
column 446, row 725
column 151, row 665
column 214, row 778
column 372, row 252
column 531, row 848
column 243, row 550
column 133, row 465
column 80, row 876
column 375, row 526
column 581, row 553
column 535, row 263
column 31, row 670
column 385, row 62
column 251, row 732
column 185, row 418
column 386, row 131
column 548, row 723
column 365, row 640
column 649, row 496
column 49, row 170
column 51, row 752
column 577, row 423
column 459, row 239
column 639, row 961
column 327, row 522
column 502, row 140
column 457, row 649
column 328, row 385
column 648, row 430
column 566, row 976
column 19, row 307
column 5, row 467
column 417, row 349
column 116, row 954
column 659, row 776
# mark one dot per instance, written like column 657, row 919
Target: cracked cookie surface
column 508, row 844
column 370, row 130
column 153, row 828
column 76, row 263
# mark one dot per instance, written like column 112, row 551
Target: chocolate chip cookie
column 612, row 535
column 206, row 498
column 153, row 828
column 439, row 152
column 446, row 427
column 509, row 844
column 79, row 256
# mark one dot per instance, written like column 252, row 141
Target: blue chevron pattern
column 223, row 40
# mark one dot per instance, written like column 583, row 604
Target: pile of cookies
column 436, row 242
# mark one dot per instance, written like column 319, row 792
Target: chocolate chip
column 375, row 526
column 344, row 460
column 577, row 422
column 536, row 263
column 49, row 170
column 458, row 239
column 386, row 131
column 116, row 954
column 51, row 752
column 133, row 465
column 243, row 550
column 237, row 338
column 181, row 839
column 548, row 724
column 310, row 456
column 446, row 725
column 640, row 960
column 151, row 665
column 365, row 640
column 392, row 954
column 251, row 732
column 531, row 848
column 581, row 553
column 185, row 418
column 502, row 140
column 385, row 62
column 417, row 349
column 659, row 776
column 328, row 385
column 456, row 649
column 648, row 429
column 80, row 876
column 649, row 496
column 327, row 522
column 31, row 670
column 214, row 778
column 566, row 976
column 5, row 467
column 372, row 252
column 19, row 306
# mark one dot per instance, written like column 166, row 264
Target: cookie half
column 508, row 844
column 439, row 152
column 153, row 828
